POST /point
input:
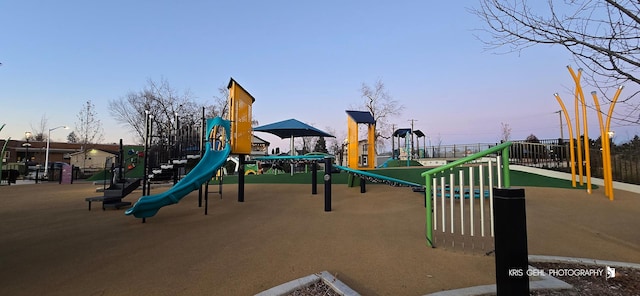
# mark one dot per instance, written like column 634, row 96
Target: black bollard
column 314, row 178
column 510, row 229
column 240, row 178
column 327, row 183
column 363, row 185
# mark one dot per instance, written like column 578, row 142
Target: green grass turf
column 411, row 174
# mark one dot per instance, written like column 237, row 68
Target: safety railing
column 463, row 192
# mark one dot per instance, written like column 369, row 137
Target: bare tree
column 164, row 103
column 39, row 132
column 505, row 130
column 221, row 107
column 382, row 106
column 602, row 36
column 89, row 127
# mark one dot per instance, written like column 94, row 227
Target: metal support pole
column 120, row 164
column 203, row 124
column 221, row 181
column 241, row 178
column 206, row 198
column 510, row 228
column 314, row 178
column 327, row 184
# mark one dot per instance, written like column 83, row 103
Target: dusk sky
column 299, row 59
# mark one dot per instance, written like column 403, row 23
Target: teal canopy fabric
column 292, row 128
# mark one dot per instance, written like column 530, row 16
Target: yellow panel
column 371, row 163
column 352, row 152
column 240, row 102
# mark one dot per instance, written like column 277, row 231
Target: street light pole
column 46, row 157
column 27, row 135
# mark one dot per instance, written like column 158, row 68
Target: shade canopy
column 292, row 128
column 361, row 116
column 402, row 132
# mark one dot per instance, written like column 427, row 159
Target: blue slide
column 148, row 206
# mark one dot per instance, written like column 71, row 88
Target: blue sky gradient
column 300, row 59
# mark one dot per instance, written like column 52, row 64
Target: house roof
column 258, row 140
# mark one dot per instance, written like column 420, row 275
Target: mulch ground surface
column 373, row 242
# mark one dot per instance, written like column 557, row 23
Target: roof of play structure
column 292, row 128
column 232, row 82
column 402, row 132
column 361, row 116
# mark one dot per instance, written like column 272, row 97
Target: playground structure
column 222, row 138
column 119, row 185
column 217, row 150
column 408, row 151
column 359, row 164
column 354, row 159
column 605, row 136
column 236, row 140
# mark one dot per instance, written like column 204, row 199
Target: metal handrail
column 504, row 147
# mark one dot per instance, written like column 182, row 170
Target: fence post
column 510, row 242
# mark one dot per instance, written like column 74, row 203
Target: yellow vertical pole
column 572, row 157
column 607, row 129
column 587, row 145
column 371, row 141
column 604, row 142
column 576, row 79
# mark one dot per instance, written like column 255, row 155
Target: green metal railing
column 504, row 148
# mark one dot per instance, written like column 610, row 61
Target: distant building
column 93, row 159
column 259, row 146
column 58, row 152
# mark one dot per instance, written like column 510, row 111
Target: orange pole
column 604, row 141
column 608, row 128
column 587, row 145
column 571, row 148
column 578, row 144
